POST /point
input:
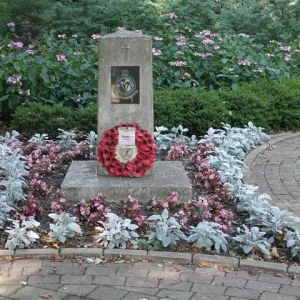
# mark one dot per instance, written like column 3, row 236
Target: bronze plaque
column 125, row 85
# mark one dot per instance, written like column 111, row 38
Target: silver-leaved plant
column 165, row 229
column 116, row 232
column 21, row 235
column 65, row 227
column 208, row 235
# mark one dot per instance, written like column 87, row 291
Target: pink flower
column 157, row 38
column 25, row 92
column 259, row 70
column 288, row 57
column 138, row 31
column 270, row 55
column 180, row 43
column 285, row 48
column 207, row 41
column 297, row 50
column 14, row 79
column 177, row 63
column 186, row 75
column 244, row 63
column 179, row 53
column 244, row 35
column 31, row 52
column 30, row 46
column 11, row 24
column 217, row 47
column 206, row 54
column 16, row 45
column 61, row 57
column 172, row 15
column 96, row 36
column 156, row 52
column 76, row 53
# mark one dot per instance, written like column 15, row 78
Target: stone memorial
column 125, row 96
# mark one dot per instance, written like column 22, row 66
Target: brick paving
column 43, row 279
column 277, row 172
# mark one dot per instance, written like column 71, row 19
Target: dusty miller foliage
column 65, row 227
column 116, row 232
column 165, row 229
column 21, row 234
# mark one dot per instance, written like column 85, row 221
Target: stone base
column 82, row 182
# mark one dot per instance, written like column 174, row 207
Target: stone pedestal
column 82, row 182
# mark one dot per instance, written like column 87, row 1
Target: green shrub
column 245, row 105
column 193, row 109
column 42, row 118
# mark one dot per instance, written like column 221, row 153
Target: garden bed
column 213, row 221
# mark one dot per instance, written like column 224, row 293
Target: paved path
column 276, row 171
column 69, row 280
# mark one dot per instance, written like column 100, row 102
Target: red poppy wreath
column 127, row 150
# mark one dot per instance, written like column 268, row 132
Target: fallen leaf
column 46, row 296
column 54, row 245
column 56, row 259
column 274, row 253
column 279, row 275
column 176, row 269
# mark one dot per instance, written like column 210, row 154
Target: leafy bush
column 37, row 117
column 116, row 232
column 194, row 109
column 21, row 235
column 208, row 235
column 64, row 228
column 166, row 229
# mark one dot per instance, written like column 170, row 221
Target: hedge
column 269, row 104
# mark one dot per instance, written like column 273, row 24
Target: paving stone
column 47, row 286
column 175, row 285
column 141, row 282
column 164, row 275
column 109, row 280
column 179, row 268
column 227, row 281
column 249, row 264
column 137, row 296
column 27, row 263
column 65, row 262
column 141, row 290
column 148, row 265
column 132, row 272
column 99, row 270
column 77, row 290
column 262, row 286
column 295, row 282
column 39, row 271
column 70, row 270
column 33, row 293
column 10, row 280
column 209, row 271
column 238, row 298
column 290, row 290
column 5, row 253
column 4, row 272
column 215, row 260
column 269, row 277
column 199, row 296
column 176, row 295
column 273, row 296
column 107, row 293
column 208, row 289
column 245, row 293
column 7, row 290
column 242, row 274
column 43, row 279
column 76, row 279
column 196, row 278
